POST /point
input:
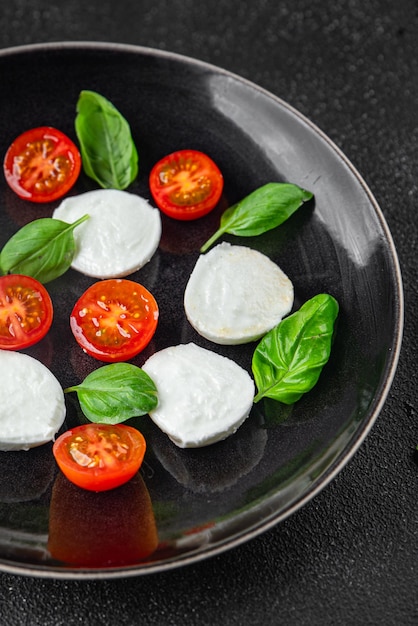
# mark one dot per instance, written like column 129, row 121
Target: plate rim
column 258, row 527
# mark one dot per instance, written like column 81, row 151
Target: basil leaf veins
column 43, row 249
column 260, row 211
column 114, row 393
column 289, row 359
column 108, row 152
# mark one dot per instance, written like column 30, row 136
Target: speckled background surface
column 350, row 555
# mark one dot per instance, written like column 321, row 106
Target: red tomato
column 26, row 311
column 186, row 184
column 42, row 164
column 114, row 319
column 99, row 457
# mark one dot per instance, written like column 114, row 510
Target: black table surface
column 350, row 555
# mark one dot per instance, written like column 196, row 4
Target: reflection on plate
column 205, row 502
column 110, row 529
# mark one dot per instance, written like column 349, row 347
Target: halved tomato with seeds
column 99, row 457
column 42, row 164
column 114, row 319
column 26, row 311
column 186, row 184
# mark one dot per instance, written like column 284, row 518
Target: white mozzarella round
column 235, row 295
column 203, row 397
column 120, row 236
column 32, row 406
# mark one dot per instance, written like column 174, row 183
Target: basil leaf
column 114, row 393
column 43, row 249
column 108, row 151
column 260, row 211
column 289, row 359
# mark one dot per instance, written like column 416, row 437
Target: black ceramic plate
column 208, row 500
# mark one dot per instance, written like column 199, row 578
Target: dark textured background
column 350, row 556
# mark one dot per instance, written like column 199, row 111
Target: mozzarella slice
column 121, row 235
column 203, row 397
column 235, row 295
column 32, row 406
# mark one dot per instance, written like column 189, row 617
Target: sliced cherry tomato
column 26, row 311
column 99, row 457
column 42, row 164
column 186, row 184
column 114, row 319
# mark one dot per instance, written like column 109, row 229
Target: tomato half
column 99, row 457
column 26, row 311
column 42, row 164
column 114, row 319
column 186, row 184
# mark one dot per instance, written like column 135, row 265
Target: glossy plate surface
column 203, row 501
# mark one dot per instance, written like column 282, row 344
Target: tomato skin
column 42, row 164
column 99, row 457
column 114, row 319
column 186, row 184
column 26, row 311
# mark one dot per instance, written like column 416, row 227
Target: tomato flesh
column 99, row 457
column 42, row 164
column 186, row 184
column 114, row 319
column 26, row 311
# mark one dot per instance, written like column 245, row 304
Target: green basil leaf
column 108, row 151
column 260, row 211
column 114, row 393
column 289, row 359
column 43, row 249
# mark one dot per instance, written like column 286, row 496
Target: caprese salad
column 234, row 295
